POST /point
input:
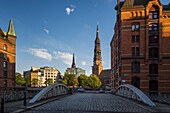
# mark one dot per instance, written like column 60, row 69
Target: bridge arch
column 52, row 90
column 130, row 91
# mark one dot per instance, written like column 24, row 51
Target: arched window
column 153, row 39
column 154, row 12
column 141, row 14
column 153, row 69
column 135, row 67
column 132, row 14
column 5, row 47
column 136, row 14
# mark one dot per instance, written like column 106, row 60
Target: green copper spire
column 11, row 29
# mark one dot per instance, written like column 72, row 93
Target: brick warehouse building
column 7, row 57
column 140, row 47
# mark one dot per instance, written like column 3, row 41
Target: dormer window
column 153, row 12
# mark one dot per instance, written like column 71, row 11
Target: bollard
column 25, row 98
column 2, row 105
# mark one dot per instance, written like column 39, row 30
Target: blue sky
column 50, row 31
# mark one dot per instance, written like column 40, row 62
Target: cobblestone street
column 86, row 103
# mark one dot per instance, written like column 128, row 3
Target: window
column 133, row 51
column 153, row 52
column 133, row 38
column 4, row 55
column 153, row 85
column 153, row 27
column 135, row 67
column 137, row 51
column 136, row 81
column 5, row 47
column 5, row 73
column 135, row 27
column 153, row 69
column 132, row 14
column 153, row 12
column 5, row 83
column 141, row 14
column 153, row 39
column 5, row 64
column 136, row 14
column 137, row 38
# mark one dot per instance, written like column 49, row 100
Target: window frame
column 135, row 67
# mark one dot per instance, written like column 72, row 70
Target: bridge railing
column 52, row 90
column 161, row 98
column 129, row 91
column 17, row 95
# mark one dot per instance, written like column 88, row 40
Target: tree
column 94, row 81
column 28, row 80
column 83, row 80
column 34, row 81
column 70, row 80
column 48, row 81
column 19, row 80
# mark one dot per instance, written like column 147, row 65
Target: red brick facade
column 7, row 58
column 140, row 50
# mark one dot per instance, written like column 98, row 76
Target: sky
column 50, row 31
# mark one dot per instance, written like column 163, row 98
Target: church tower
column 73, row 63
column 97, row 60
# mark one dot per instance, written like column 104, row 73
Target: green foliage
column 48, row 81
column 28, row 80
column 34, row 81
column 19, row 80
column 94, row 81
column 83, row 80
column 70, row 79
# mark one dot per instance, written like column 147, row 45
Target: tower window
column 153, row 12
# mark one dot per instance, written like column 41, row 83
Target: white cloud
column 83, row 63
column 46, row 30
column 41, row 53
column 70, row 9
column 64, row 57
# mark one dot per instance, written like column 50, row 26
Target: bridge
column 125, row 99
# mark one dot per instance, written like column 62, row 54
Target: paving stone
column 87, row 103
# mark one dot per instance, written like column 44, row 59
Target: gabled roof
column 134, row 3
